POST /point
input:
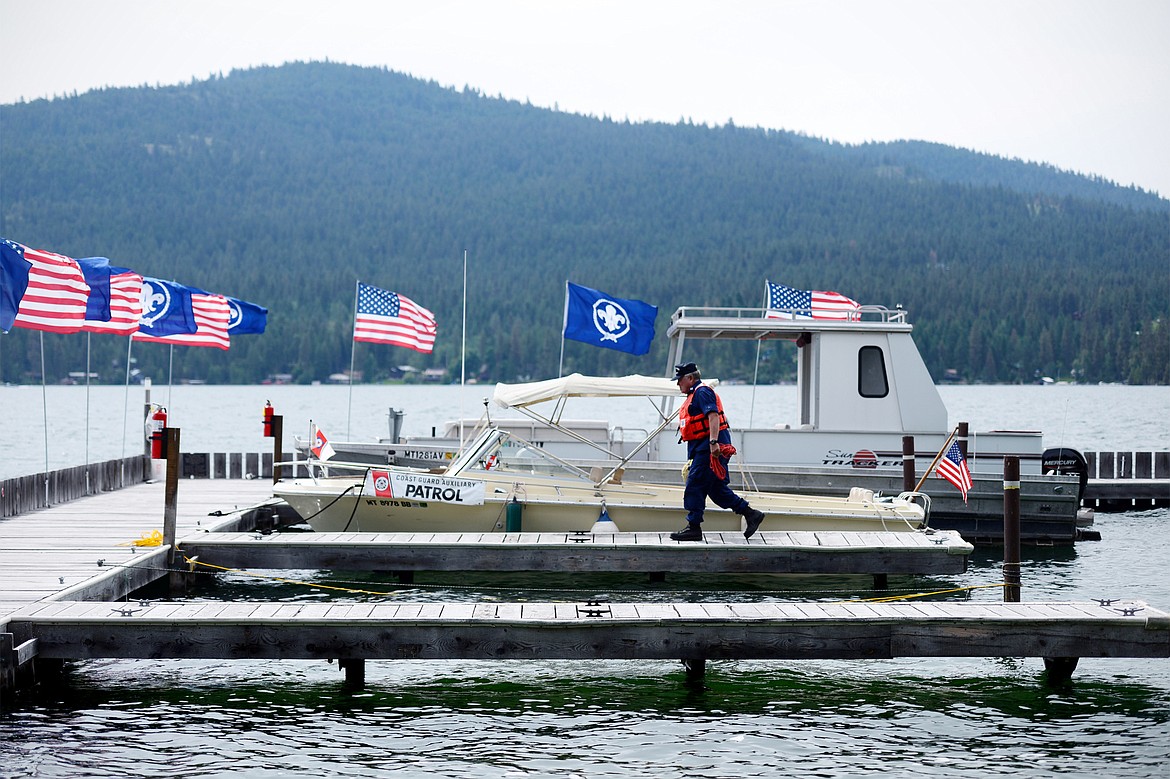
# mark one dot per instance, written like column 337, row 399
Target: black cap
column 683, row 369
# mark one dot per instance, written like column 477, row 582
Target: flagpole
column 352, row 355
column 171, row 378
column 45, row 416
column 463, row 353
column 755, row 378
column 564, row 324
column 88, row 339
column 125, row 402
column 937, row 457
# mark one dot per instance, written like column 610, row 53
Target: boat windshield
column 477, row 451
column 500, row 450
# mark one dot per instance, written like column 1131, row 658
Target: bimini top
column 576, row 385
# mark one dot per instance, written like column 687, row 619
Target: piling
column 1011, row 529
column 171, row 503
column 277, row 445
column 961, row 437
column 908, row 478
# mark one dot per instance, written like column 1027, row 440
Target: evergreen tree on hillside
column 287, row 185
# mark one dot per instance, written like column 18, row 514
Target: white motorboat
column 529, row 490
column 862, row 387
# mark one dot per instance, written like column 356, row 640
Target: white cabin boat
column 862, row 387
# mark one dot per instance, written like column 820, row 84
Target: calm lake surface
column 945, row 718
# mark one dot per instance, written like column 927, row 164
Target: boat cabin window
column 871, row 373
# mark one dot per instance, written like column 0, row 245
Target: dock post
column 908, row 478
column 355, row 672
column 1011, row 529
column 277, row 445
column 7, row 667
column 696, row 668
column 961, row 437
column 176, row 579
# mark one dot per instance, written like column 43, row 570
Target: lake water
column 70, row 425
column 945, row 717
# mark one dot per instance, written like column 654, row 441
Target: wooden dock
column 692, row 632
column 63, row 568
column 805, row 552
column 1121, row 481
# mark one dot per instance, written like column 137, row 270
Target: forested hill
column 285, row 185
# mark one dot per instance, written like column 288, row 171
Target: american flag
column 788, row 303
column 55, row 298
column 385, row 317
column 953, row 468
column 211, row 319
column 125, row 305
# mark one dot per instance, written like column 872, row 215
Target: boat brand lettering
column 424, row 487
column 865, row 459
column 862, row 458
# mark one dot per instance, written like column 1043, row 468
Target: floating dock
column 798, row 552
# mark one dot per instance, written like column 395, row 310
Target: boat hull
column 1049, row 506
column 334, row 505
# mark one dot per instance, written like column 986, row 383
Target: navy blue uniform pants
column 703, row 484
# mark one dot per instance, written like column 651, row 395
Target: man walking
column 703, row 426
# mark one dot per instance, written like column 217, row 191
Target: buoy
column 604, row 524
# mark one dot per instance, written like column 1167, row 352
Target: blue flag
column 166, row 308
column 246, row 317
column 14, row 270
column 97, row 275
column 596, row 318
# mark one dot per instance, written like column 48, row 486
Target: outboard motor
column 1066, row 462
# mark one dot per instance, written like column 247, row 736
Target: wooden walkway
column 807, row 552
column 591, row 630
column 83, row 549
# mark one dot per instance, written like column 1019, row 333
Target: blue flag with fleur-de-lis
column 593, row 317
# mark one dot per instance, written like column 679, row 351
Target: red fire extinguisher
column 158, row 424
column 268, row 419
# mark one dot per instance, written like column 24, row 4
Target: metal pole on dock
column 908, row 478
column 1011, row 529
column 146, row 417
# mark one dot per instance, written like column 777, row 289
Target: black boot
column 753, row 518
column 692, row 532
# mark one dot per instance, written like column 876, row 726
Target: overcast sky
column 1081, row 84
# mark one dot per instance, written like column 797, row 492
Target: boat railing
column 868, row 313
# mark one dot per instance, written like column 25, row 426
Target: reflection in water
column 600, row 718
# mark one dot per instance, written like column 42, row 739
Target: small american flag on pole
column 55, row 298
column 385, row 317
column 953, row 467
column 788, row 303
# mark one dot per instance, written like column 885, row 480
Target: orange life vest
column 692, row 428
